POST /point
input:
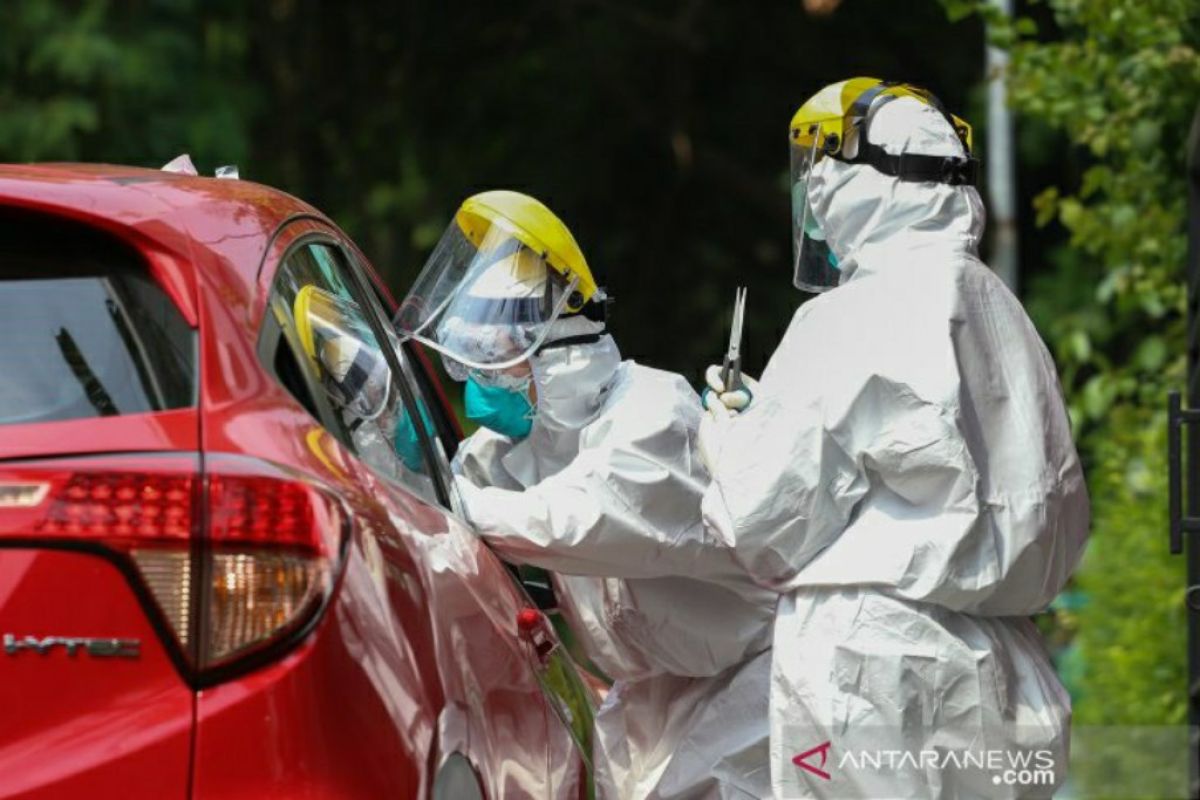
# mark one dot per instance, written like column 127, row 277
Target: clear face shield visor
column 486, row 304
column 337, row 337
column 814, row 264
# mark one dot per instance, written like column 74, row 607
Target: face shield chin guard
column 814, row 266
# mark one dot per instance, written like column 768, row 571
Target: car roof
column 172, row 213
column 161, row 206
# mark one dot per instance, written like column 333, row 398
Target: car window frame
column 272, row 336
column 449, row 430
column 375, row 309
column 423, row 384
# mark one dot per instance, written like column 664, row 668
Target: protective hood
column 866, row 213
column 572, row 382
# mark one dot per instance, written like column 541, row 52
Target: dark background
column 656, row 130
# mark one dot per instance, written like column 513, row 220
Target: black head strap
column 918, row 168
column 911, row 167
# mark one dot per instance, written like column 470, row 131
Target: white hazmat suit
column 605, row 492
column 905, row 475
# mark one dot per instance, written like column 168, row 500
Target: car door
column 353, row 712
column 494, row 715
column 542, row 626
column 571, row 701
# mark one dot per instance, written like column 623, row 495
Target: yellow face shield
column 503, row 272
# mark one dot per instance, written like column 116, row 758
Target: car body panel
column 178, row 429
column 423, row 569
column 71, row 723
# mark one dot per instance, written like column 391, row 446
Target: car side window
column 439, row 426
column 447, row 425
column 432, row 386
column 335, row 367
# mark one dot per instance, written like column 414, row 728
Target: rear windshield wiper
column 96, row 394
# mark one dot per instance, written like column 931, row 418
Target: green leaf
column 1098, row 396
column 1025, row 26
column 1080, row 345
column 957, row 10
column 1046, row 206
column 1071, row 212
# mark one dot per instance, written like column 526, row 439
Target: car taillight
column 236, row 558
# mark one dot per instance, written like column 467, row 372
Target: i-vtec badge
column 97, row 648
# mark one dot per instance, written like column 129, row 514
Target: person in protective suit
column 345, row 355
column 903, row 473
column 586, row 467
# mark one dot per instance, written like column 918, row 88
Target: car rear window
column 84, row 329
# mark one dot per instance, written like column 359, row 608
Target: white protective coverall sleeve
column 618, row 507
column 906, row 474
column 480, row 459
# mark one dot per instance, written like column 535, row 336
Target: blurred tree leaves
column 1122, row 81
column 131, row 82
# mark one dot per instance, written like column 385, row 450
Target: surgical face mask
column 506, row 411
column 812, row 228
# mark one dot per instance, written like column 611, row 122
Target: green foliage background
column 657, row 132
column 1121, row 80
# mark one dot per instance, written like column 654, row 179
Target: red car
column 214, row 581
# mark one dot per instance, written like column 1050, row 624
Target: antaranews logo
column 802, row 760
column 997, row 767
